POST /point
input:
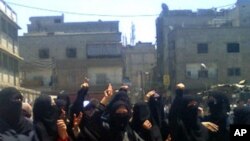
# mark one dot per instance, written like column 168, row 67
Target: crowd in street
column 114, row 118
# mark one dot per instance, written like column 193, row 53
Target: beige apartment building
column 58, row 55
column 205, row 47
column 139, row 63
column 9, row 52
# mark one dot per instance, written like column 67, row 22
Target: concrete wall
column 217, row 59
column 68, row 73
column 179, row 32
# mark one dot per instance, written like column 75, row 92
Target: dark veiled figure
column 116, row 118
column 11, row 112
column 45, row 114
column 183, row 119
column 242, row 115
column 219, row 105
column 64, row 101
column 13, row 126
column 141, row 113
column 159, row 120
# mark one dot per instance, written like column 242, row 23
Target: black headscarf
column 45, row 117
column 119, row 96
column 10, row 111
column 118, row 122
column 157, row 109
column 184, row 121
column 219, row 105
column 64, row 97
column 242, row 115
column 10, row 105
column 141, row 113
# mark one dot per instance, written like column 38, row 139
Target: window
column 4, row 25
column 44, row 53
column 38, row 80
column 233, row 71
column 188, row 74
column 5, row 61
column 101, row 78
column 202, row 48
column 1, row 60
column 233, row 47
column 203, row 74
column 71, row 52
column 103, row 51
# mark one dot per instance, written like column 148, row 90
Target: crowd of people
column 114, row 118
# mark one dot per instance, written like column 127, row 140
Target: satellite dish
column 242, row 82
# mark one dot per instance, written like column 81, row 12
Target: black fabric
column 45, row 118
column 242, row 115
column 10, row 106
column 141, row 113
column 219, row 105
column 183, row 120
column 119, row 121
column 119, row 96
column 64, row 97
column 77, row 105
column 10, row 112
column 11, row 135
column 117, row 124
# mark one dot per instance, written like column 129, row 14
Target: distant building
column 205, row 47
column 58, row 55
column 138, row 70
column 9, row 52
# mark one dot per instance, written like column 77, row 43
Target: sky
column 142, row 13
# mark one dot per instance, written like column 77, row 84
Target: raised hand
column 76, row 123
column 211, row 126
column 62, row 129
column 148, row 95
column 77, row 120
column 107, row 95
column 85, row 83
column 109, row 91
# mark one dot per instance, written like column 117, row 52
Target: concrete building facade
column 205, row 47
column 139, row 63
column 9, row 52
column 59, row 55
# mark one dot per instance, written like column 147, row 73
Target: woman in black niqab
column 141, row 113
column 219, row 105
column 183, row 119
column 10, row 112
column 45, row 114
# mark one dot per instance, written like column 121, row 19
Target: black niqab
column 141, row 113
column 11, row 106
column 45, row 117
column 184, row 123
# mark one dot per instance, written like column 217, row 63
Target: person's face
column 122, row 110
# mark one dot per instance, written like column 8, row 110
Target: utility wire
column 76, row 13
column 91, row 14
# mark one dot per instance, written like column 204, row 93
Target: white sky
column 144, row 26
